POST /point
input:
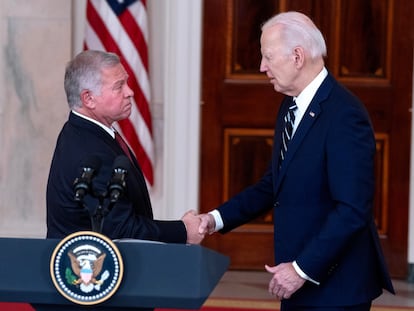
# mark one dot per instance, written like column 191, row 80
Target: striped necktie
column 287, row 131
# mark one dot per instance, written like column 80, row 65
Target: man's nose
column 263, row 67
column 129, row 91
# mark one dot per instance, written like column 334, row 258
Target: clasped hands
column 198, row 226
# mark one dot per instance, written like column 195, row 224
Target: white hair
column 299, row 30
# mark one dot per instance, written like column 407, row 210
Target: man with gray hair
column 98, row 95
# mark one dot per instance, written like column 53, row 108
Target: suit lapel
column 134, row 171
column 309, row 118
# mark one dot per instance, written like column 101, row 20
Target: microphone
column 82, row 184
column 117, row 184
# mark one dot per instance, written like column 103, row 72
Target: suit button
column 276, row 204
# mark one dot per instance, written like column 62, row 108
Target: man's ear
column 87, row 98
column 299, row 56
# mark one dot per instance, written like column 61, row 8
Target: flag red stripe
column 135, row 32
column 111, row 46
column 136, row 35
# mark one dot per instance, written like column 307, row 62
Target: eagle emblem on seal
column 87, row 268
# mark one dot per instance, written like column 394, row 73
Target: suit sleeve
column 248, row 204
column 123, row 222
column 132, row 216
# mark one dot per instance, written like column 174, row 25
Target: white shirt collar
column 305, row 97
column 109, row 130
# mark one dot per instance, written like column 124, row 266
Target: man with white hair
column 320, row 183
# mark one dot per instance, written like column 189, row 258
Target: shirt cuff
column 217, row 218
column 303, row 274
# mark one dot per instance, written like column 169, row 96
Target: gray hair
column 299, row 30
column 84, row 72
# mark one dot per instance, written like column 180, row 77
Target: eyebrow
column 119, row 82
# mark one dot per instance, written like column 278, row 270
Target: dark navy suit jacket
column 131, row 217
column 322, row 198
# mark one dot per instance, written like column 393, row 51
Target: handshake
column 198, row 226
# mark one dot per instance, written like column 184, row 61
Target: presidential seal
column 86, row 268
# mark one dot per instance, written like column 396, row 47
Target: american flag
column 120, row 26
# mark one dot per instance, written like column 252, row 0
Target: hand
column 285, row 280
column 207, row 225
column 192, row 223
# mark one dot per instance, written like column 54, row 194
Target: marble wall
column 35, row 45
column 37, row 39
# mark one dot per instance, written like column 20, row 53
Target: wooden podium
column 156, row 275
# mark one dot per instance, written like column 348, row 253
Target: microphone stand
column 98, row 216
column 116, row 188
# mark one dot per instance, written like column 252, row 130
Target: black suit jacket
column 131, row 217
column 322, row 198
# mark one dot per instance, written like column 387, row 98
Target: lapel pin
column 312, row 114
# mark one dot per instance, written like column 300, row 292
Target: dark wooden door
column 370, row 50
